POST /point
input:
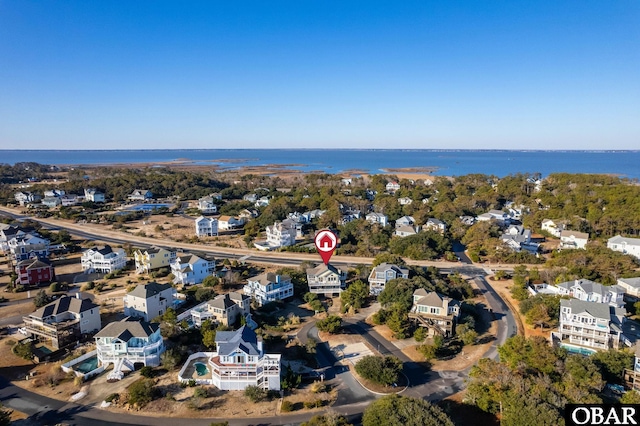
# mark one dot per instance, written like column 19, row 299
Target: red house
column 34, row 271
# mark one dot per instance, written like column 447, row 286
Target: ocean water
column 444, row 162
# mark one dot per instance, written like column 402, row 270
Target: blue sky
column 329, row 74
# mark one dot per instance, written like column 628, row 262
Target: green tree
column 204, row 293
column 355, row 295
column 612, row 363
column 41, row 299
column 328, row 419
column 330, row 324
column 210, row 281
column 141, row 392
column 5, row 416
column 396, row 410
column 209, row 338
column 255, row 393
column 382, row 370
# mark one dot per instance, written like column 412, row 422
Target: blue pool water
column 201, row 369
column 88, row 365
column 148, row 207
column 579, row 351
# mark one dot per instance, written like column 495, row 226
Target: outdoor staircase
column 117, row 373
column 429, row 323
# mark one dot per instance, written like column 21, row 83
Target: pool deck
column 190, row 371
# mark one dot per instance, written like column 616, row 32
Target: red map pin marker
column 326, row 242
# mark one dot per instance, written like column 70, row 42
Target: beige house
column 326, row 279
column 434, row 311
column 149, row 301
column 153, row 258
column 224, row 309
column 573, row 240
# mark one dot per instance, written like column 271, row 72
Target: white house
column 25, row 246
column 252, row 198
column 239, row 362
column 554, row 227
column 586, row 327
column 383, row 273
column 147, row 301
column 405, row 201
column 437, row 313
column 103, row 259
column 7, row 233
column 405, row 221
column 91, row 194
column 518, row 238
column 206, row 226
column 69, row 200
column 380, row 218
column 434, row 224
column 590, row 291
column 392, row 187
column 207, row 205
column 496, row 215
column 140, row 195
column 51, row 202
column 625, row 245
column 25, row 197
column 573, row 240
column 282, row 234
column 631, row 287
column 268, row 287
column 326, row 279
column 191, row 268
column 64, row 321
column 127, row 343
column 54, row 193
column 229, row 222
column 262, row 202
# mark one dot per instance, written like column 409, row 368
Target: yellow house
column 153, row 258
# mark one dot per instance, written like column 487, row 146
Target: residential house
column 631, row 288
column 380, row 218
column 192, row 268
column 282, row 234
column 467, row 220
column 64, row 321
column 383, row 273
column 206, row 226
column 586, row 327
column 103, row 259
column 632, row 376
column 153, row 258
column 405, row 201
column 437, row 313
column 392, row 187
column 224, row 309
column 268, row 287
column 27, row 246
column 497, row 215
column 326, row 279
column 69, row 200
column 9, row 232
column 239, row 362
column 148, row 301
column 247, row 214
column 128, row 343
column 590, row 291
column 573, row 240
column 54, row 193
column 262, row 202
column 252, row 198
column 434, row 224
column 226, row 223
column 405, row 221
column 93, row 195
column 34, row 271
column 346, row 181
column 207, row 205
column 518, row 238
column 140, row 195
column 554, row 227
column 51, row 202
column 625, row 245
column 26, row 197
column 406, row 230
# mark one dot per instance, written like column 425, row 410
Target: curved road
column 352, row 398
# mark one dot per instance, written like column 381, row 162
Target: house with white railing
column 207, row 205
column 239, row 362
column 586, row 327
column 127, row 343
column 206, row 226
column 153, row 258
column 148, row 301
column 625, row 245
column 224, row 309
column 191, row 268
column 573, row 240
column 631, row 287
column 383, row 273
column 268, row 287
column 326, row 279
column 590, row 291
column 103, row 259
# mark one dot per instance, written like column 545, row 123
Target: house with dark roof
column 26, row 246
column 239, row 361
column 147, row 301
column 191, row 268
column 326, row 279
column 103, row 259
column 590, row 291
column 34, row 271
column 127, row 343
column 437, row 313
column 140, row 195
column 223, row 309
column 64, row 321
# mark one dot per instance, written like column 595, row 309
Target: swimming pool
column 148, row 207
column 201, row 369
column 579, row 351
column 88, row 365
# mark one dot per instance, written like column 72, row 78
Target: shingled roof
column 244, row 339
column 62, row 305
column 128, row 328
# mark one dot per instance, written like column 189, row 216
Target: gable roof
column 595, row 309
column 574, row 234
column 430, row 298
column 64, row 304
column 128, row 328
column 146, row 291
column 269, row 277
column 631, row 282
column 244, row 339
column 322, row 268
column 618, row 239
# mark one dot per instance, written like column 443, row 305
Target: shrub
column 309, row 404
column 147, row 372
column 112, row 397
column 191, row 383
column 317, row 387
column 200, row 392
column 23, row 350
column 286, row 406
column 420, row 334
column 428, row 351
column 382, row 370
column 331, row 324
column 141, row 392
column 255, row 393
